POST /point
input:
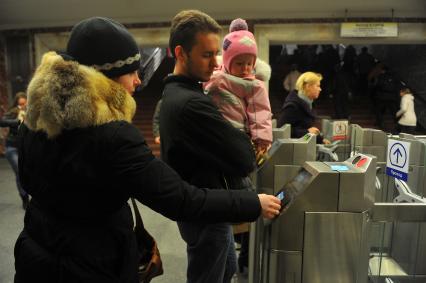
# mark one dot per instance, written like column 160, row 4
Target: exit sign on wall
column 369, row 30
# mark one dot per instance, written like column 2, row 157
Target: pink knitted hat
column 238, row 41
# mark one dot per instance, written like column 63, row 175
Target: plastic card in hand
column 339, row 168
column 280, row 195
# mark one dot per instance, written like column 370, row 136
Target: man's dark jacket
column 196, row 141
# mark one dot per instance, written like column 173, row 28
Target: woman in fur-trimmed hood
column 80, row 159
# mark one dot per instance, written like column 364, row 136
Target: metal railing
column 149, row 67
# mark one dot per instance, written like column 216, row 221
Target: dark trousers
column 381, row 107
column 406, row 129
column 244, row 251
column 211, row 252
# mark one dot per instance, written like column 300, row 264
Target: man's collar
column 183, row 79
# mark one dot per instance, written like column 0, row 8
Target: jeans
column 211, row 252
column 12, row 156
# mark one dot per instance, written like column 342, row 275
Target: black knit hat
column 104, row 44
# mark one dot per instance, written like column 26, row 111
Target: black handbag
column 150, row 264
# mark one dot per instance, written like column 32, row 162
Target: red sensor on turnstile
column 361, row 162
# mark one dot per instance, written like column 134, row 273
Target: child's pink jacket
column 244, row 102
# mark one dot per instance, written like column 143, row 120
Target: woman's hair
column 18, row 96
column 405, row 90
column 307, row 78
column 185, row 26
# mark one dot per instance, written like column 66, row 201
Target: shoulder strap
column 138, row 217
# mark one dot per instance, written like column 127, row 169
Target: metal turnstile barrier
column 344, row 224
column 322, row 236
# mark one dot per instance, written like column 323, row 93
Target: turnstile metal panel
column 343, row 150
column 378, row 151
column 405, row 262
column 367, row 137
column 304, row 151
column 284, row 267
column 353, row 196
column 334, row 248
column 285, row 152
column 283, row 174
column 360, row 137
column 417, row 149
column 279, row 153
column 281, row 133
column 386, row 191
column 357, row 184
column 416, row 179
column 409, row 247
column 380, row 138
column 321, row 195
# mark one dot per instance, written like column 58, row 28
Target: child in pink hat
column 239, row 93
column 238, row 89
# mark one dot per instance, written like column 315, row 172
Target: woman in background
column 12, row 119
column 297, row 109
column 406, row 114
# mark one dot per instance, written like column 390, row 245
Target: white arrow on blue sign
column 398, row 159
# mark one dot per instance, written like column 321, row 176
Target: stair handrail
column 151, row 64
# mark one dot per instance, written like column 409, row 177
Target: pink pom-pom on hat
column 238, row 41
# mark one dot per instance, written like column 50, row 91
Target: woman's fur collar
column 66, row 95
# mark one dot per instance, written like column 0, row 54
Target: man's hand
column 157, row 140
column 271, row 205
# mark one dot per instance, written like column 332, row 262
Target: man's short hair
column 186, row 24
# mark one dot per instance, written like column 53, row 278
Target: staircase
column 147, row 99
column 361, row 112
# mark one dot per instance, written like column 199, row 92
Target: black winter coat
column 296, row 112
column 81, row 165
column 196, row 141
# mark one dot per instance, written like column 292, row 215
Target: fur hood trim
column 262, row 69
column 67, row 95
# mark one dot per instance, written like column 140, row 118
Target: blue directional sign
column 398, row 159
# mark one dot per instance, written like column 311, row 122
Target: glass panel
column 403, row 258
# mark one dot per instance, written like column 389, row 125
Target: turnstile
column 329, row 234
column 322, row 235
column 286, row 156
